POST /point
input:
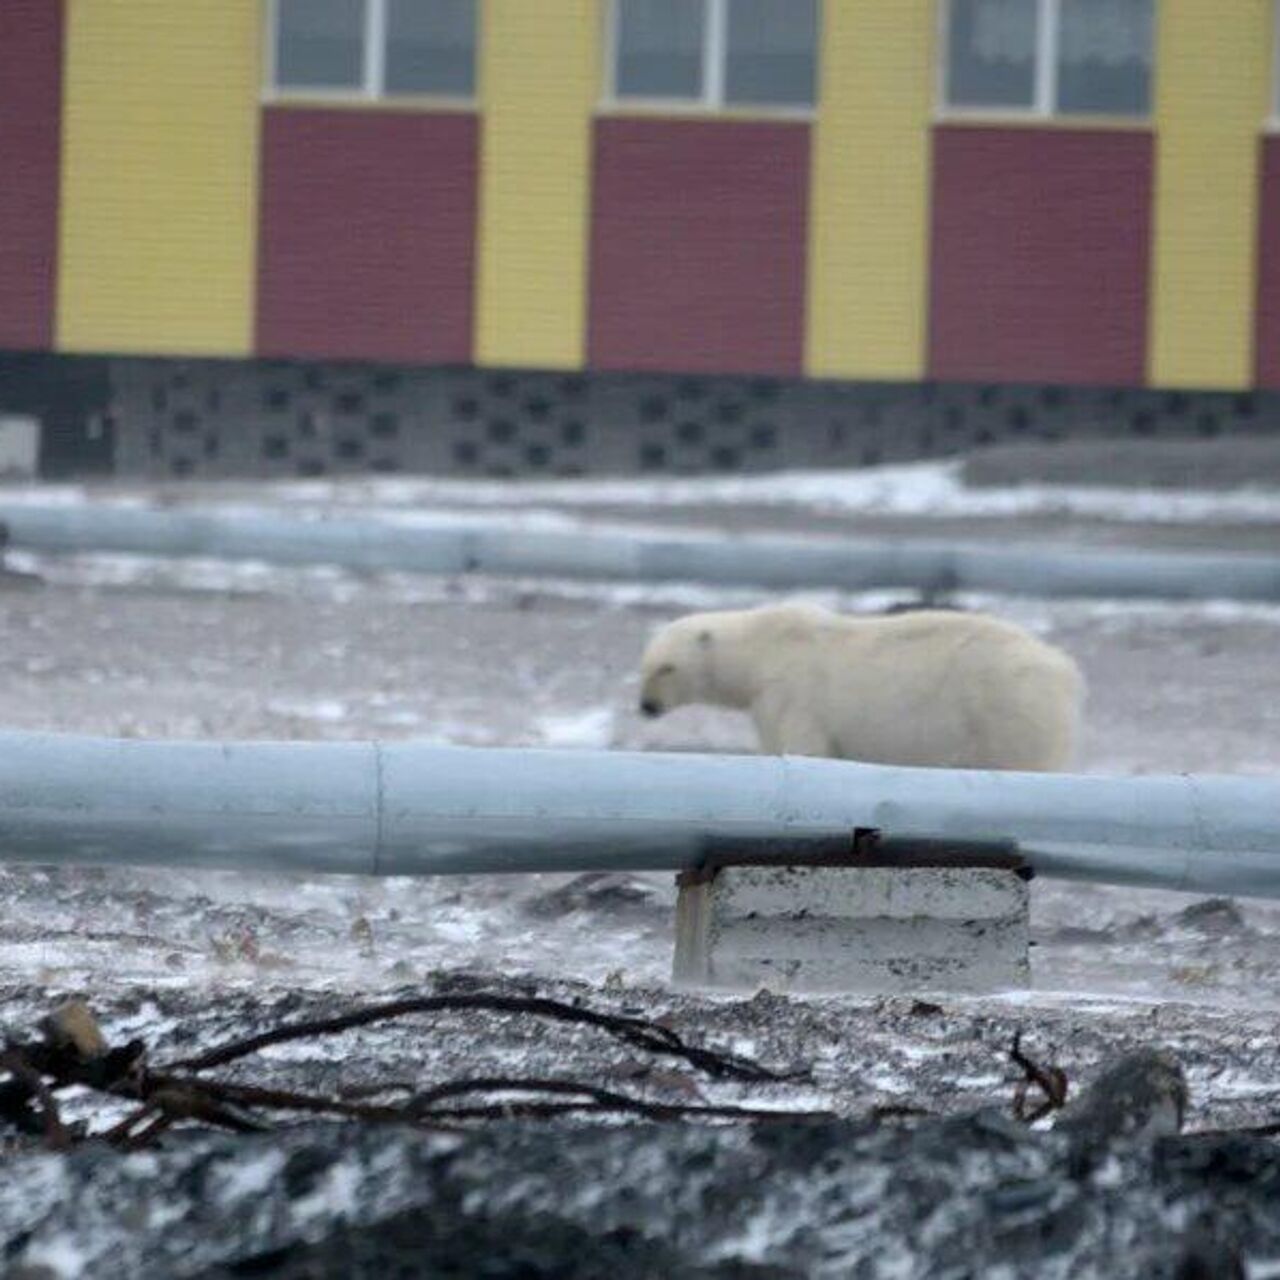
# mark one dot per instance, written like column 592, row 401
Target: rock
column 9, row 576
column 72, row 1025
column 1214, row 917
column 1138, row 1097
column 605, row 892
column 965, row 1196
column 1203, row 1258
column 923, row 602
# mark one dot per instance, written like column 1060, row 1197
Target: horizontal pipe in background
column 777, row 562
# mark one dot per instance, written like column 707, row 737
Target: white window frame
column 715, row 54
column 374, row 54
column 1044, row 78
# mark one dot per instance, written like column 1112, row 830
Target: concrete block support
column 858, row 929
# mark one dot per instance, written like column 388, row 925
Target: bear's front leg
column 785, row 729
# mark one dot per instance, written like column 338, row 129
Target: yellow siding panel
column 539, row 77
column 1212, row 75
column 160, row 176
column 868, row 236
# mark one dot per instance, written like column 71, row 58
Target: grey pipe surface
column 783, row 563
column 407, row 808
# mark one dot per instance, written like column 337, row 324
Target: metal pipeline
column 406, row 808
column 779, row 562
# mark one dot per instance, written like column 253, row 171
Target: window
column 1049, row 57
column 374, row 48
column 716, row 53
column 319, row 44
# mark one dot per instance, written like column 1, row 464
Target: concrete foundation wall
column 171, row 418
column 872, row 929
column 211, row 418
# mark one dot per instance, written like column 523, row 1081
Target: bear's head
column 676, row 667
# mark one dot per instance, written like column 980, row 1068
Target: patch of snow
column 914, row 489
column 590, row 728
column 69, row 495
column 887, row 1081
column 976, row 1082
column 147, row 1023
column 760, row 1236
column 325, row 710
column 249, row 1177
column 399, row 719
column 529, row 520
column 60, row 1257
column 1232, row 1084
column 461, row 930
column 335, row 1196
column 925, row 489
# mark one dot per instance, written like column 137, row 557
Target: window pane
column 659, row 48
column 431, row 46
column 320, row 44
column 771, row 51
column 991, row 61
column 1104, row 56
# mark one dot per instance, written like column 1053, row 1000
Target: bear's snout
column 650, row 707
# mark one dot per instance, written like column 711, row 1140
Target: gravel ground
column 131, row 648
column 207, row 652
column 970, row 1193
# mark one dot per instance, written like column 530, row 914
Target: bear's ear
column 704, row 639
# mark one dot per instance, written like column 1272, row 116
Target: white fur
column 931, row 687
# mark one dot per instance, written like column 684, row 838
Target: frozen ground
column 1071, row 503
column 110, row 645
column 133, row 648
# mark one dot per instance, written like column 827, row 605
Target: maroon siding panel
column 367, row 235
column 30, row 148
column 1268, row 313
column 698, row 246
column 1040, row 255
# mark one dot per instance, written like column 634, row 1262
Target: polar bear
column 929, row 687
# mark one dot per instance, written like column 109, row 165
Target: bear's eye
column 666, row 669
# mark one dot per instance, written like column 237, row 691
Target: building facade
column 506, row 236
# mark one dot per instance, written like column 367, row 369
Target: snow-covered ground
column 135, row 647
column 925, row 490
column 922, row 489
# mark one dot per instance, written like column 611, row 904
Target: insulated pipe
column 783, row 563
column 407, row 808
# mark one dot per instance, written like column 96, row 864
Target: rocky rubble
column 934, row 1175
column 971, row 1195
